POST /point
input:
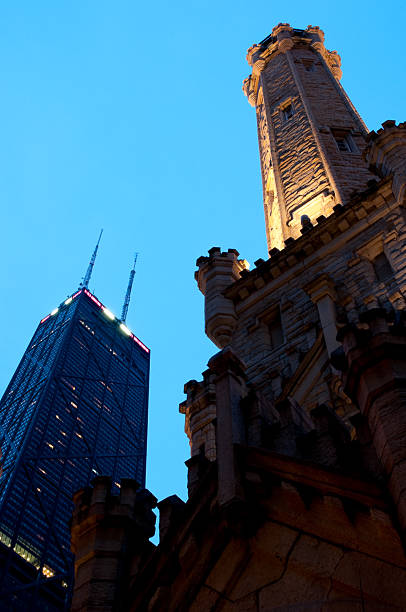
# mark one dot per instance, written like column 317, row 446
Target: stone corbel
column 258, row 67
column 285, row 45
column 251, row 52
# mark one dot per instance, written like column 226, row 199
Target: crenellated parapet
column 386, row 154
column 282, row 39
column 110, row 538
column 199, row 409
column 214, row 274
column 214, row 420
column 223, row 411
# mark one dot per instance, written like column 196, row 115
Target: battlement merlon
column 215, row 273
column 283, row 38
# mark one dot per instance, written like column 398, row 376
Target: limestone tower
column 311, row 138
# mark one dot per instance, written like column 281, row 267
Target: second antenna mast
column 128, row 293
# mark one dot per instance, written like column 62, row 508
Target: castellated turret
column 311, row 138
column 386, row 154
column 215, row 273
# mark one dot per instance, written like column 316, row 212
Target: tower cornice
column 282, row 39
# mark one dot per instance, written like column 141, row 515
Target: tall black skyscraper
column 75, row 407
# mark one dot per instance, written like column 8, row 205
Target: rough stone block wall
column 300, row 166
column 268, row 367
column 331, row 109
column 356, row 284
column 272, row 210
column 279, row 82
column 283, row 569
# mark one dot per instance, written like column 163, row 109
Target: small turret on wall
column 215, row 273
column 386, row 154
column 110, row 538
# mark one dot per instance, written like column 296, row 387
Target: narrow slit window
column 275, row 330
column 344, row 142
column 309, row 65
column 288, row 112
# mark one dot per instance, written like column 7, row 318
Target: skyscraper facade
column 75, row 408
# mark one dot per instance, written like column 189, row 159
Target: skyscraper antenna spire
column 86, row 279
column 128, row 294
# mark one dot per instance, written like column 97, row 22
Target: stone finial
column 316, row 32
column 250, row 53
column 215, row 273
column 279, row 29
column 386, row 154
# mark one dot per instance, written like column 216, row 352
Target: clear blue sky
column 130, row 116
